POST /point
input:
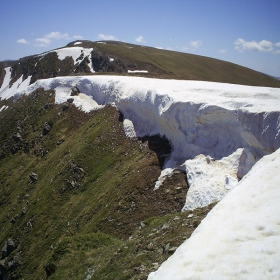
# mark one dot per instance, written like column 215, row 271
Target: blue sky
column 245, row 32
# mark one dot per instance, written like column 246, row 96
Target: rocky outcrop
column 75, row 91
column 8, row 263
column 33, row 177
column 46, row 128
column 8, row 248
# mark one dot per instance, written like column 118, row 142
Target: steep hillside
column 77, row 195
column 95, row 169
column 86, row 57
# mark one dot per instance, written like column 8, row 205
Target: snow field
column 240, row 237
column 6, row 80
column 73, row 52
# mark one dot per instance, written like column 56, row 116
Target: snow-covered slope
column 240, row 237
column 77, row 53
column 218, row 132
column 19, row 85
column 232, row 125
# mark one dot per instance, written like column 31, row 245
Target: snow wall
column 217, row 131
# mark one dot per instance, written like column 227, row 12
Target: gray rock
column 3, row 270
column 8, row 248
column 75, row 91
column 47, row 106
column 65, row 107
column 172, row 250
column 165, row 226
column 70, row 100
column 46, row 128
column 33, row 177
column 165, row 247
column 17, row 137
column 50, row 269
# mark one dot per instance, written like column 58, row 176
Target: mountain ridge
column 95, row 168
column 113, row 57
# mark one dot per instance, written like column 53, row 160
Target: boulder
column 70, row 100
column 17, row 137
column 50, row 269
column 33, row 177
column 8, row 248
column 46, row 128
column 65, row 106
column 75, row 91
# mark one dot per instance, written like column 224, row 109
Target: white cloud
column 195, row 44
column 277, row 44
column 78, row 37
column 47, row 39
column 22, row 41
column 262, row 46
column 42, row 42
column 191, row 46
column 277, row 52
column 107, row 37
column 140, row 39
column 222, row 51
column 56, row 36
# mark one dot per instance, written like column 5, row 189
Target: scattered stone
column 89, row 273
column 47, row 106
column 172, row 250
column 60, row 142
column 46, row 128
column 165, row 226
column 17, row 137
column 75, row 91
column 19, row 215
column 155, row 265
column 3, row 270
column 165, row 247
column 70, row 100
column 190, row 216
column 65, row 107
column 8, row 248
column 33, row 177
column 50, row 269
column 150, row 246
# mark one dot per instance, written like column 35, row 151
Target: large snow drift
column 239, row 238
column 232, row 125
column 218, row 132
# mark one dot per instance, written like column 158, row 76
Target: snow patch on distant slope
column 136, row 71
column 75, row 53
column 18, row 86
column 4, row 107
column 6, row 80
column 239, row 238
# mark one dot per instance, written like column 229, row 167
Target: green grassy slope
column 92, row 210
column 177, row 65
